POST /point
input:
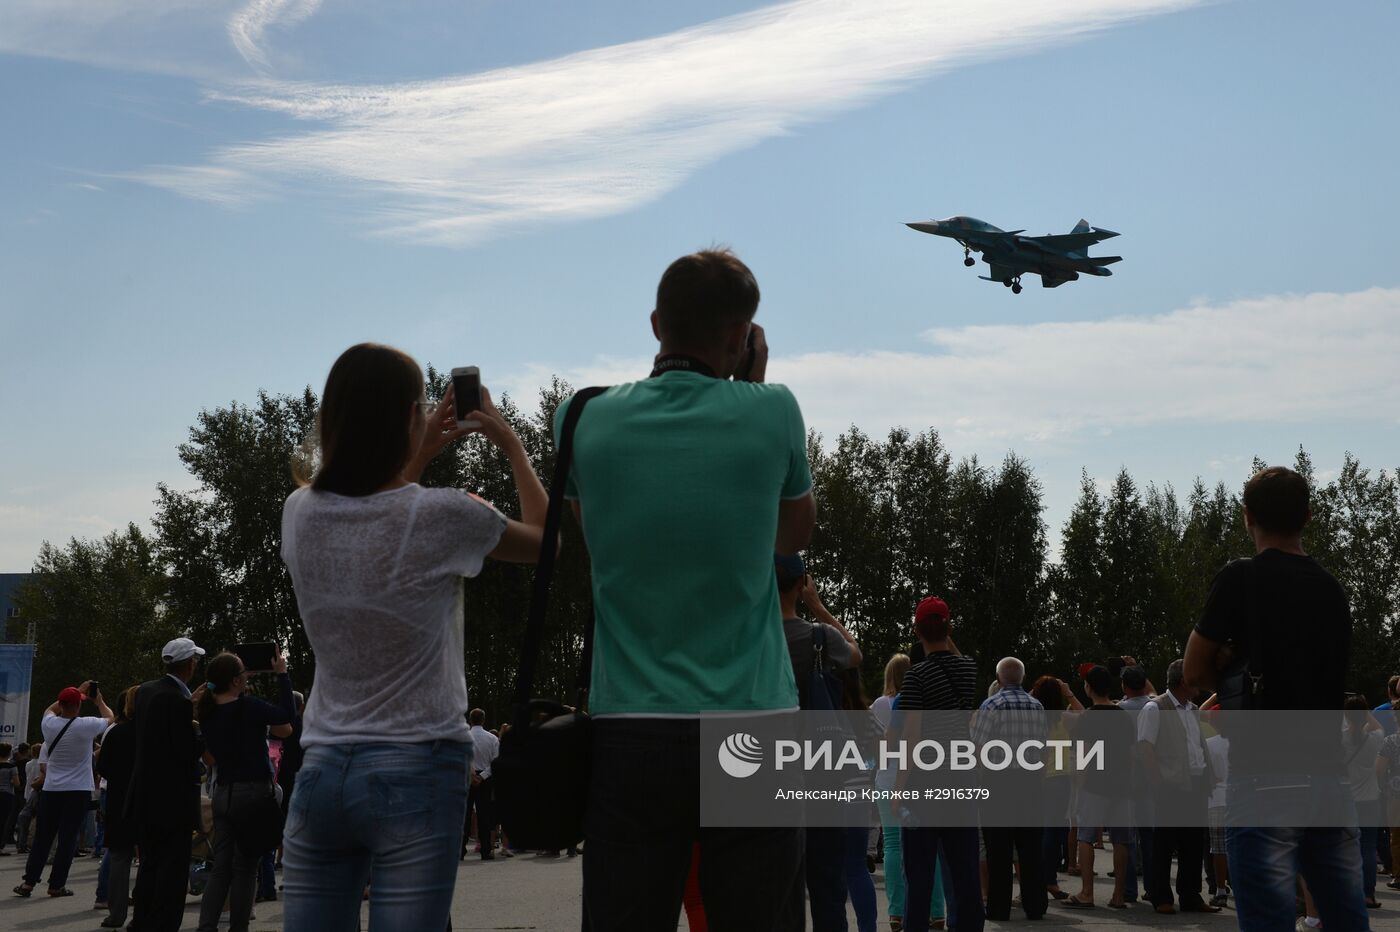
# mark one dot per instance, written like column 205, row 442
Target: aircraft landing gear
column 967, row 258
column 1016, row 285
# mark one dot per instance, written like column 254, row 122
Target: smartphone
column 466, row 392
column 92, row 690
column 257, row 658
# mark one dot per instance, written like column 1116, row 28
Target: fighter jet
column 1056, row 258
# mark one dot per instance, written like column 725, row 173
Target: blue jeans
column 1264, row 862
column 859, row 883
column 388, row 815
column 267, row 876
column 1369, row 815
column 1142, row 851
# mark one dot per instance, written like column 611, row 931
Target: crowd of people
column 695, row 497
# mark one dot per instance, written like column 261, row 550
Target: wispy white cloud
column 598, row 132
column 1276, row 360
column 247, row 27
column 183, row 37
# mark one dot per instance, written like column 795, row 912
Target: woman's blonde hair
column 895, row 668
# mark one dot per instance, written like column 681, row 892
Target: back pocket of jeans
column 300, row 806
column 402, row 806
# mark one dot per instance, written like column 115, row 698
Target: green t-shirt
column 679, row 478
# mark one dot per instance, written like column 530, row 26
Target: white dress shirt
column 1149, row 724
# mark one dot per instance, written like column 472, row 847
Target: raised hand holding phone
column 466, row 393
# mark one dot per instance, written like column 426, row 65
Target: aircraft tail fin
column 1082, row 227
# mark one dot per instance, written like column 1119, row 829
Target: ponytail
column 222, row 671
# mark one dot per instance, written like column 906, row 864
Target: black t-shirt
column 1304, row 623
column 236, row 734
column 1118, row 732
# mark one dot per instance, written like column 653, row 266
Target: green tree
column 97, row 609
column 221, row 542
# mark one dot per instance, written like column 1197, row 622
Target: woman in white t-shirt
column 377, row 563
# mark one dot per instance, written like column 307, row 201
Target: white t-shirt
column 486, row 747
column 1361, row 765
column 881, row 710
column 378, row 581
column 69, row 768
column 1218, row 746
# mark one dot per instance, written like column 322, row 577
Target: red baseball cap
column 71, row 695
column 932, row 605
column 1085, row 667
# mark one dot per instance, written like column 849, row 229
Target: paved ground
column 530, row 892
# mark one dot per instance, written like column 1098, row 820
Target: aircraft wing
column 1072, row 242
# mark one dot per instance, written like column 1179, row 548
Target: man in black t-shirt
column 1288, row 618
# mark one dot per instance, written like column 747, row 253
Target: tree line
column 899, row 518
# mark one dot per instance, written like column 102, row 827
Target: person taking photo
column 377, row 562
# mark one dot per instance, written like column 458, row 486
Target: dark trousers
column 9, row 809
column 964, row 895
column 233, row 875
column 162, row 880
column 1188, row 844
column 481, row 799
column 61, row 818
column 825, row 867
column 640, row 833
column 118, row 881
column 1027, row 842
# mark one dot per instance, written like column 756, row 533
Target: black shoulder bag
column 542, row 773
column 823, row 690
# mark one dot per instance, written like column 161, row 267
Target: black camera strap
column 544, row 570
column 673, row 362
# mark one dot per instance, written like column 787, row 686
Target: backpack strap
column 544, row 570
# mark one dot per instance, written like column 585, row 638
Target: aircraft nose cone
column 927, row 226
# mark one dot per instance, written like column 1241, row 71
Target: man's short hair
column 701, row 294
column 5, row 749
column 1277, row 500
column 1134, row 678
column 1394, row 686
column 476, row 717
column 1176, row 674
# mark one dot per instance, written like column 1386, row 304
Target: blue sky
column 204, row 199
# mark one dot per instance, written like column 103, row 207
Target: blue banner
column 16, row 672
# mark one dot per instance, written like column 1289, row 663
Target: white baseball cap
column 180, row 649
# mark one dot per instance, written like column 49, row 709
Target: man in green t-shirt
column 685, row 483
